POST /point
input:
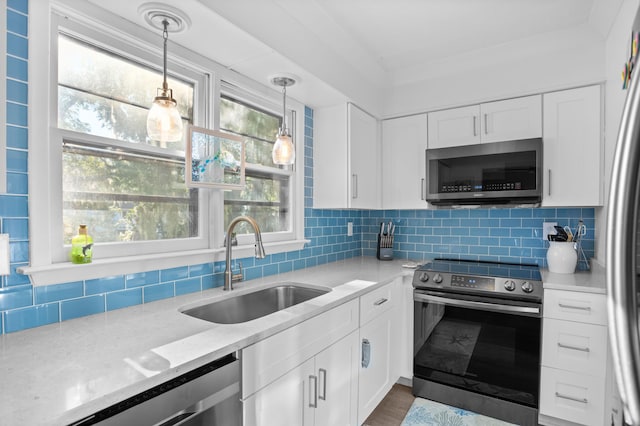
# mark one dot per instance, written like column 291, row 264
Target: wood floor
column 393, row 408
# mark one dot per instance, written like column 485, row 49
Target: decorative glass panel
column 215, row 158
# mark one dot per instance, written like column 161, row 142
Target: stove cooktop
column 506, row 280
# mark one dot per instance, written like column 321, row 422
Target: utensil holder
column 562, row 257
column 384, row 249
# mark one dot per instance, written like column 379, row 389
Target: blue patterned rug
column 424, row 412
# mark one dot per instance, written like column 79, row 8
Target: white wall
column 617, row 53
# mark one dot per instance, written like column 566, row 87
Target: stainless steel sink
column 249, row 306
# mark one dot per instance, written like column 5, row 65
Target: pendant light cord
column 284, row 109
column 165, row 36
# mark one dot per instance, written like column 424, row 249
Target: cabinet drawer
column 574, row 397
column 575, row 306
column 376, row 302
column 574, row 346
column 265, row 361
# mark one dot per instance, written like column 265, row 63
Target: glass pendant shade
column 164, row 123
column 283, row 150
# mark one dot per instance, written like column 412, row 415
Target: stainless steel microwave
column 500, row 173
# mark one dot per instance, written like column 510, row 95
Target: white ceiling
column 357, row 49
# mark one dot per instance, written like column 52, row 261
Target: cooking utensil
column 561, row 234
column 569, row 233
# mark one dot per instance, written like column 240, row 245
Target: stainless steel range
column 477, row 337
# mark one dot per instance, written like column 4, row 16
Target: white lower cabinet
column 378, row 331
column 375, row 379
column 321, row 391
column 319, row 373
column 576, row 384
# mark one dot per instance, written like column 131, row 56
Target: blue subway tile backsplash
column 513, row 235
column 124, row 298
column 52, row 293
column 18, row 5
column 82, row 306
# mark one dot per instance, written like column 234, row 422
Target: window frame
column 58, row 136
column 269, row 106
column 47, row 265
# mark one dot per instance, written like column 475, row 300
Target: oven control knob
column 423, row 277
column 437, row 278
column 509, row 285
column 527, row 287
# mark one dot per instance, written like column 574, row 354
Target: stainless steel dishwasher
column 208, row 395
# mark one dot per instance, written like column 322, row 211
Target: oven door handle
column 484, row 306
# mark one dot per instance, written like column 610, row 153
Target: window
column 91, row 148
column 121, row 195
column 267, row 193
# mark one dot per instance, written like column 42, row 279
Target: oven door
column 481, row 345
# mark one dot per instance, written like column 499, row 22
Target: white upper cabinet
column 346, row 158
column 404, row 141
column 454, row 127
column 573, row 148
column 511, row 119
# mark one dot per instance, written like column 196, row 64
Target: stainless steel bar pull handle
column 572, row 398
column 486, row 124
column 366, row 353
column 575, row 348
column 475, row 126
column 354, row 186
column 621, row 277
column 313, row 388
column 549, row 182
column 422, row 189
column 380, row 301
column 578, row 308
column 322, row 393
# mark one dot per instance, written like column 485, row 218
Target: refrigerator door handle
column 620, row 255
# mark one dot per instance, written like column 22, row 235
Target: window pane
column 266, row 199
column 266, row 195
column 106, row 95
column 259, row 129
column 126, row 197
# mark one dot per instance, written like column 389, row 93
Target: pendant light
column 283, row 150
column 164, row 123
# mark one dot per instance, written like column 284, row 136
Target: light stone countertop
column 60, row 373
column 592, row 281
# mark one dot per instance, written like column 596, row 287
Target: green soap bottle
column 81, row 246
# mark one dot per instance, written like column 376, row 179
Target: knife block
column 384, row 250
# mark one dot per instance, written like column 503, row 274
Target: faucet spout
column 228, row 273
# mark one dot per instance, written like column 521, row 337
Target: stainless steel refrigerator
column 622, row 251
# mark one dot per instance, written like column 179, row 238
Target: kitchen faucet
column 228, row 272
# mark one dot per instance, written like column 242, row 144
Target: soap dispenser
column 81, row 246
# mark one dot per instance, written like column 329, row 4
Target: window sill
column 59, row 273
